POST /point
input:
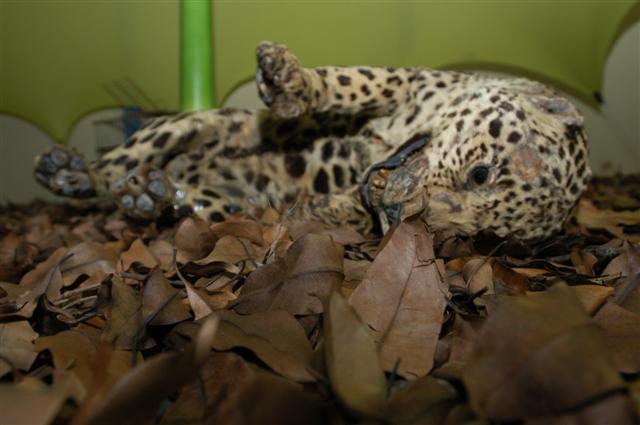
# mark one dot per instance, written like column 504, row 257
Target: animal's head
column 511, row 159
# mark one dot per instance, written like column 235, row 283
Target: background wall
column 60, row 60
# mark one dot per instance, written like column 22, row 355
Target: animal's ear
column 560, row 107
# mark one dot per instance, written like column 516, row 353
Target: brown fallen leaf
column 228, row 250
column 75, row 352
column 271, row 399
column 614, row 409
column 536, row 356
column 342, row 235
column 16, row 346
column 22, row 299
column 296, row 283
column 627, row 266
column 136, row 397
column 224, row 376
column 478, row 274
column 276, row 242
column 194, row 239
column 123, row 310
column 87, row 258
column 239, row 227
column 423, row 401
column 592, row 296
column 508, row 281
column 591, row 217
column 402, row 300
column 352, row 360
column 274, row 336
column 137, row 255
column 161, row 301
column 162, row 252
column 583, row 261
column 31, row 402
column 622, row 332
column 198, row 301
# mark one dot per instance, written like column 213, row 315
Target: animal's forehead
column 490, row 132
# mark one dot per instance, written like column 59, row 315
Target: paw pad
column 145, row 192
column 65, row 172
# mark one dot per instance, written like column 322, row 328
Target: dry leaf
column 137, row 255
column 76, row 352
column 403, row 299
column 627, row 266
column 538, row 355
column 589, row 216
column 583, row 261
column 352, row 359
column 22, row 299
column 162, row 252
column 225, row 376
column 592, row 296
column 161, row 301
column 298, row 282
column 241, row 228
column 615, row 409
column 194, row 239
column 274, row 336
column 125, row 329
column 228, row 250
column 508, row 281
column 478, row 274
column 31, row 402
column 136, row 396
column 87, row 258
column 622, row 331
column 198, row 301
column 16, row 346
column 270, row 399
column 422, row 401
column 341, row 235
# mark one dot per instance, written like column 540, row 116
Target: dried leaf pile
column 271, row 321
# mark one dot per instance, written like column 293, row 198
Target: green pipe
column 196, row 93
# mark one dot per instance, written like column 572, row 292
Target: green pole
column 196, row 75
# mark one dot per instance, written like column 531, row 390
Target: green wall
column 56, row 55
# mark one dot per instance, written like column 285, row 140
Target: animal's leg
column 147, row 191
column 66, row 172
column 338, row 209
column 291, row 90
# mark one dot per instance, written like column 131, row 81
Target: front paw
column 65, row 172
column 280, row 80
column 145, row 193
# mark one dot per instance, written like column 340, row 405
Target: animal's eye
column 478, row 175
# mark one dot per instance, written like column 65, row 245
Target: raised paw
column 65, row 172
column 280, row 80
column 144, row 193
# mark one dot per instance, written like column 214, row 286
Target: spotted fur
column 348, row 145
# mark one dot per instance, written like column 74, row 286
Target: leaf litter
column 269, row 320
